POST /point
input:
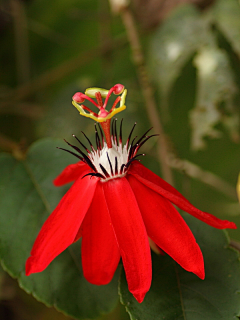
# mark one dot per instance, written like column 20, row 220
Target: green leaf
column 226, row 15
column 180, row 295
column 27, row 198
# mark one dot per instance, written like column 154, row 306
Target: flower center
column 110, row 159
column 110, row 162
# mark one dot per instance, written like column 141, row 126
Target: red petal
column 131, row 235
column 61, row 228
column 71, row 173
column 167, row 229
column 154, row 182
column 100, row 252
column 78, row 235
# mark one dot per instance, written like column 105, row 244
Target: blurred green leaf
column 184, row 33
column 27, row 198
column 221, row 157
column 215, row 87
column 177, row 294
column 226, row 15
column 61, row 120
column 174, row 42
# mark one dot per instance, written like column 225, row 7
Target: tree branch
column 147, row 90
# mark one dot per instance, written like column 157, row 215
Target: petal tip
column 33, row 266
column 232, row 225
column 139, row 296
column 56, row 182
column 200, row 270
column 28, row 267
column 225, row 224
column 96, row 278
column 201, row 274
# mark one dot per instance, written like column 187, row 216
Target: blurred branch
column 7, row 144
column 17, row 149
column 209, row 178
column 47, row 33
column 106, row 40
column 26, row 109
column 21, row 41
column 152, row 12
column 56, row 74
column 147, row 90
column 235, row 244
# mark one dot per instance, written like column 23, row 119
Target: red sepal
column 167, row 228
column 71, row 173
column 131, row 235
column 61, row 228
column 154, row 182
column 100, row 252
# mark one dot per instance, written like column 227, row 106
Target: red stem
column 106, row 129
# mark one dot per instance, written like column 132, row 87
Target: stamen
column 89, row 110
column 99, row 93
column 107, row 97
column 90, row 99
column 117, row 89
column 114, row 104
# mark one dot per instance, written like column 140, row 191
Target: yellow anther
column 90, row 92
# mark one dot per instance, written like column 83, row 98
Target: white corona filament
column 106, row 155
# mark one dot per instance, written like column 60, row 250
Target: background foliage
column 50, row 50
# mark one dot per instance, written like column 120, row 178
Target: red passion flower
column 118, row 207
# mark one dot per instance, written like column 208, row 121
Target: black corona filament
column 115, row 168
